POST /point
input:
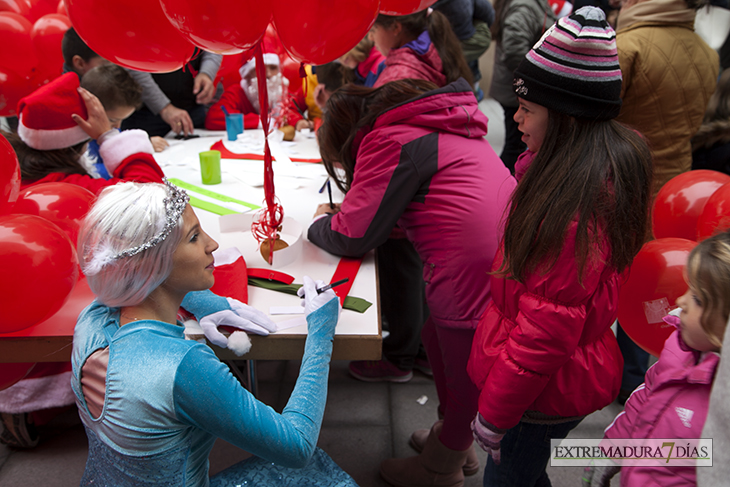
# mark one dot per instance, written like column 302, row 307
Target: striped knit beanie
column 573, row 69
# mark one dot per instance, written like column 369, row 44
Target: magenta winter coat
column 426, row 166
column 546, row 344
column 417, row 59
column 671, row 403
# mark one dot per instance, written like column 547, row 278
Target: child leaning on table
column 54, row 124
column 674, row 399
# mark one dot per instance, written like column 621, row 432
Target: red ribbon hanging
column 267, row 221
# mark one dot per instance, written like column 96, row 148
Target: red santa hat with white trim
column 270, row 58
column 44, row 116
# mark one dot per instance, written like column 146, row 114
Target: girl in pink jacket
column 544, row 355
column 674, row 399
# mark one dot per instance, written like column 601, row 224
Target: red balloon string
column 266, row 223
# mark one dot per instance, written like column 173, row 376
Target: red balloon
column 404, row 7
column 132, row 33
column 16, row 6
column 39, row 8
column 13, row 87
column 223, row 26
column 64, row 204
column 9, row 176
column 61, row 9
column 320, row 31
column 290, row 70
column 47, row 34
column 715, row 217
column 230, row 65
column 271, row 38
column 655, row 282
column 39, row 269
column 680, row 202
column 12, row 373
column 17, row 53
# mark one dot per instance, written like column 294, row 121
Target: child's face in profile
column 692, row 332
column 532, row 120
column 117, row 115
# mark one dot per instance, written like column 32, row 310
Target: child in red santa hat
column 55, row 123
column 244, row 97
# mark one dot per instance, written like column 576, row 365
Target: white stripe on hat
column 44, row 139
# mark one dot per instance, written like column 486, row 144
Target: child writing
column 544, row 355
column 57, row 120
column 420, row 45
column 120, row 95
column 674, row 399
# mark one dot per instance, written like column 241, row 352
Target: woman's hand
column 98, row 123
column 325, row 208
column 304, row 124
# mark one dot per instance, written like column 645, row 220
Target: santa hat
column 270, row 58
column 44, row 116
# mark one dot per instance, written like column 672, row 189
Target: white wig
column 127, row 215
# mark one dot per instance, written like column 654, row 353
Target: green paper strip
column 352, row 303
column 211, row 207
column 211, row 194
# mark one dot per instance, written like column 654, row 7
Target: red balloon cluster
column 38, row 260
column 31, row 32
column 689, row 208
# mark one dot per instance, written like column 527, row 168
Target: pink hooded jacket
column 426, row 167
column 671, row 403
column 417, row 59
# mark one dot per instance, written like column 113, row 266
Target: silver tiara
column 175, row 203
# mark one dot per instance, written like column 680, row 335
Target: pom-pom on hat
column 573, row 69
column 44, row 116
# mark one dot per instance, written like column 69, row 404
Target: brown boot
column 471, row 466
column 435, row 466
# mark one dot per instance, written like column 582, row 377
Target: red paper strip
column 347, row 268
column 231, row 280
column 227, row 154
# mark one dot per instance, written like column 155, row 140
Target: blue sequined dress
column 167, row 399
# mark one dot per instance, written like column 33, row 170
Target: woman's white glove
column 312, row 299
column 241, row 316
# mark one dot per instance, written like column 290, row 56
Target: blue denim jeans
column 525, row 454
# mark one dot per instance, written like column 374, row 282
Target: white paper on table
column 294, row 322
column 286, row 310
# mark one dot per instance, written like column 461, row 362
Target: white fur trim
column 37, row 393
column 239, row 343
column 43, row 139
column 115, row 149
column 270, row 59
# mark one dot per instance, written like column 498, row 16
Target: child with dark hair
column 77, row 56
column 420, row 45
column 120, row 95
column 544, row 355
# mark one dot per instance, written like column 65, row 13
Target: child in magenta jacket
column 674, row 399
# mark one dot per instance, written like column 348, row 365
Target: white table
column 358, row 335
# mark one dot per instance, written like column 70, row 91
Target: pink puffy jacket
column 671, row 403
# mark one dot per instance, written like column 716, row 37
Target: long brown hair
column 37, row 164
column 597, row 172
column 352, row 108
column 442, row 35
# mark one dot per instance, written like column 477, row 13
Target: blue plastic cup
column 234, row 125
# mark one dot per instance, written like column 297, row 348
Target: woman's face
column 192, row 262
column 533, row 120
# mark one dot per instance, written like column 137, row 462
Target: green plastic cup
column 210, row 167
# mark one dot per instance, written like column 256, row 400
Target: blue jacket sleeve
column 209, row 397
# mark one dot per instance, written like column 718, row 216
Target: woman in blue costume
column 154, row 403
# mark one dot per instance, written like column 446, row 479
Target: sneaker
column 378, row 371
column 18, row 431
column 422, row 365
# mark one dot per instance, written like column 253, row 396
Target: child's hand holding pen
column 327, row 208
